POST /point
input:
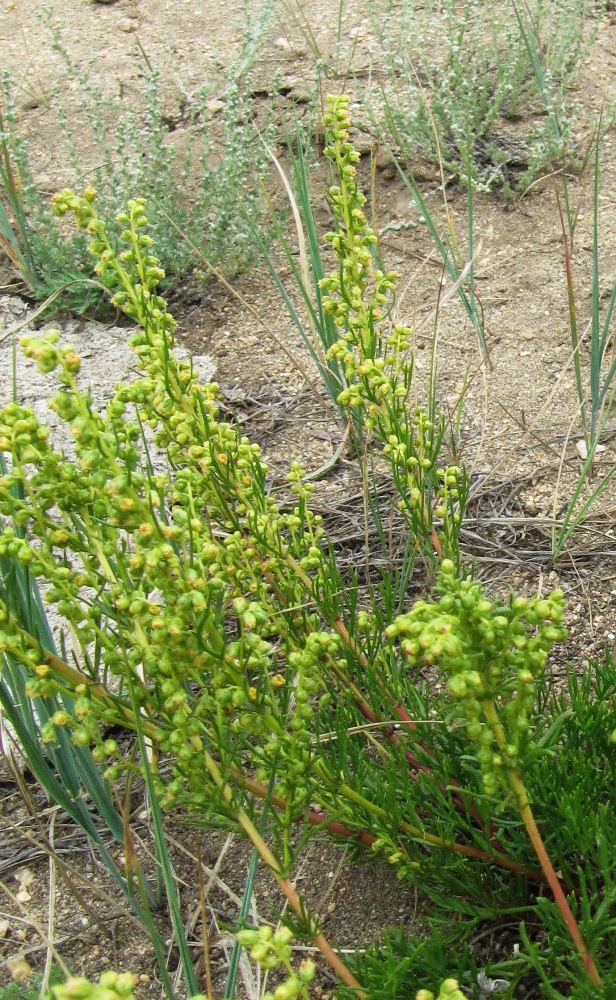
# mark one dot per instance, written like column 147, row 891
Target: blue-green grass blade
column 595, row 329
column 234, row 961
column 534, row 50
column 164, row 861
column 609, row 378
column 452, row 269
column 43, row 773
column 608, row 321
column 570, row 523
column 326, row 326
column 330, row 376
column 74, row 765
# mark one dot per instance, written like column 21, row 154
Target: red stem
column 367, row 839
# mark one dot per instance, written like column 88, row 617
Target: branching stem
column 285, row 885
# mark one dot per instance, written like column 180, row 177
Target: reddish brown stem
column 438, row 547
column 518, row 788
column 270, row 860
column 369, row 713
column 321, row 941
column 367, row 839
column 554, row 882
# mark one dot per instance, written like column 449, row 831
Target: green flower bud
column 449, row 986
column 288, row 990
column 307, row 971
column 457, row 687
column 247, row 938
column 259, row 952
column 282, row 936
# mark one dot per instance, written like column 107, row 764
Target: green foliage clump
column 221, row 164
column 460, row 73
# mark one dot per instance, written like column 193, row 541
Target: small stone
column 331, row 908
column 384, row 159
column 582, row 450
column 283, row 43
column 528, row 335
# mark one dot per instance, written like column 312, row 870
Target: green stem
column 429, row 838
column 266, row 855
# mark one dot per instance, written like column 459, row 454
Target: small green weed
column 31, row 988
column 20, row 991
column 200, row 188
column 460, row 74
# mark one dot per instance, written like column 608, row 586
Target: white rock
column 582, row 450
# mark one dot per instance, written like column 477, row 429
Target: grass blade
column 164, row 861
column 454, row 272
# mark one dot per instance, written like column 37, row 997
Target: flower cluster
column 272, row 950
column 492, row 655
column 165, row 554
column 450, row 990
column 359, row 295
column 111, row 986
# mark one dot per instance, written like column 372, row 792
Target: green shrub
column 459, row 74
column 217, row 625
column 206, row 188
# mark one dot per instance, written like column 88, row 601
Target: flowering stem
column 367, row 710
column 285, row 885
column 364, row 837
column 516, row 784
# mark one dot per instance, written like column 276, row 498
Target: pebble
column 582, row 450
